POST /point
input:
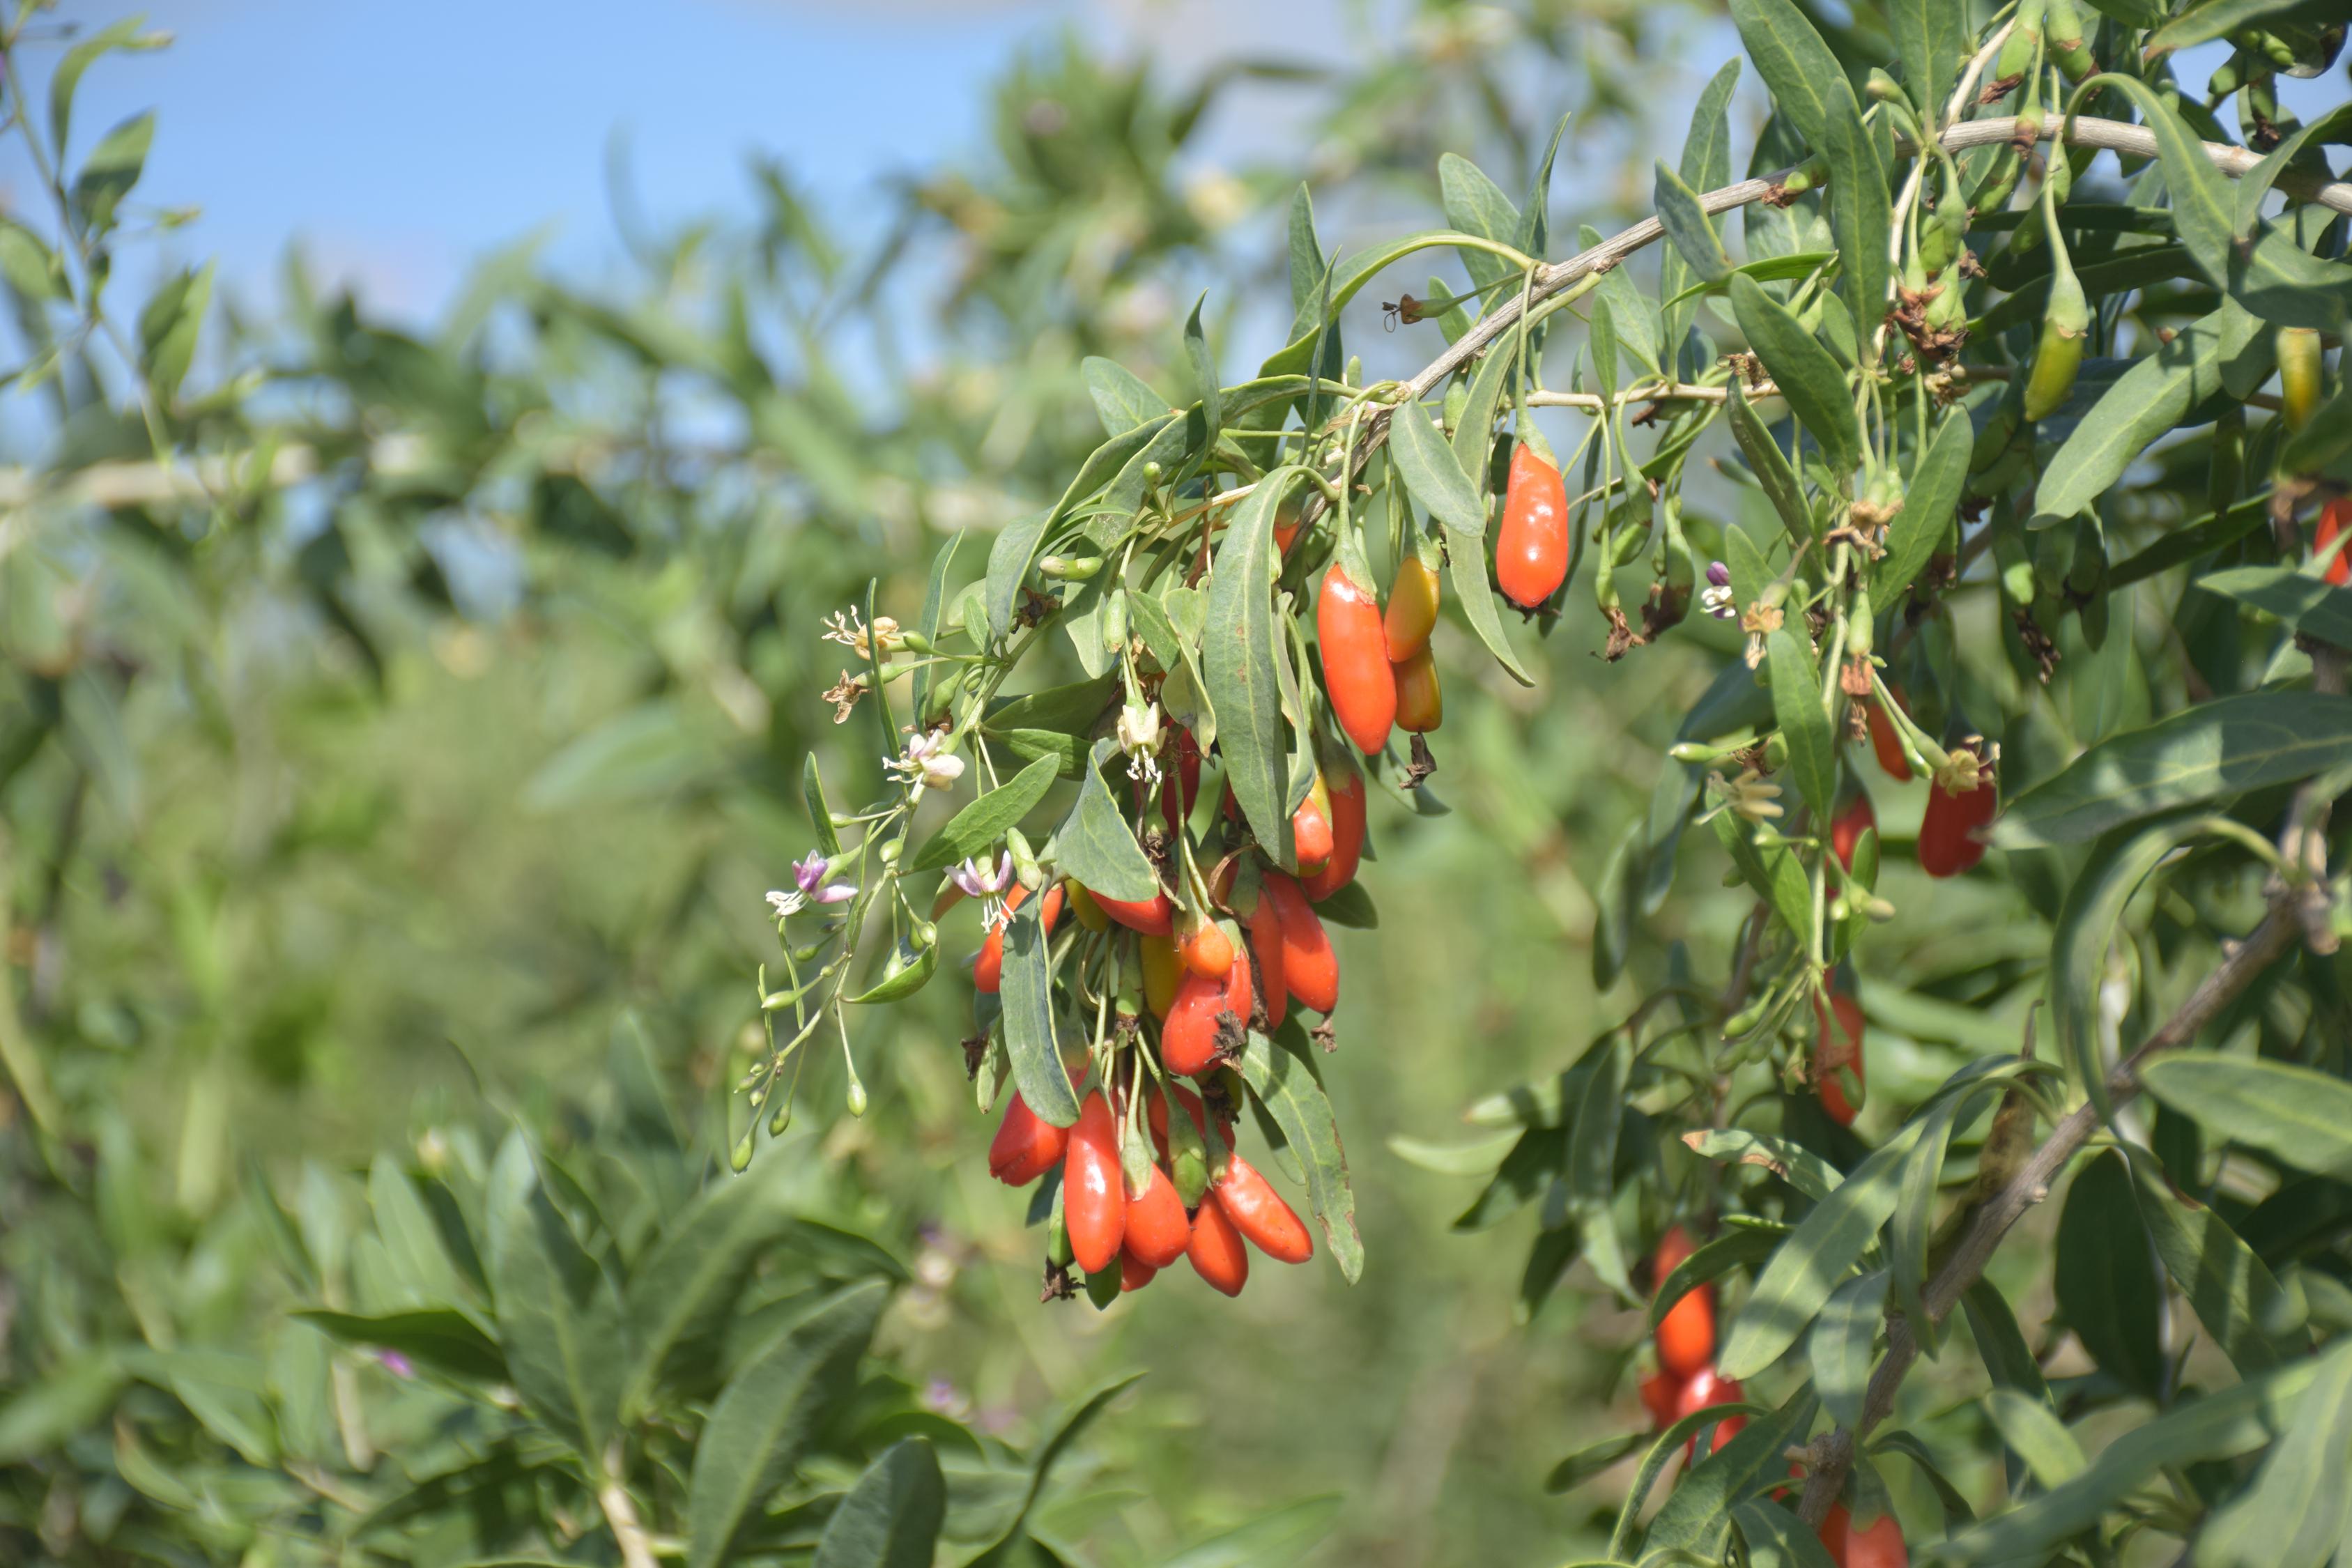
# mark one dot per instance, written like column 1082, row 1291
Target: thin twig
column 621, row 1514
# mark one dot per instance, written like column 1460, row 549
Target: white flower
column 1138, row 737
column 978, row 881
column 926, row 764
column 847, row 629
column 785, row 902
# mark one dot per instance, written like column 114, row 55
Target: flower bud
column 1070, row 568
column 2299, row 375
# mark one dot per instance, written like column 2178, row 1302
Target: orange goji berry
column 1707, row 1389
column 1836, row 1049
column 1154, row 916
column 1356, row 669
column 1346, row 834
column 1094, row 1196
column 1311, row 970
column 1025, row 1146
column 1134, row 1274
column 2335, row 521
column 1157, row 1230
column 1421, row 705
column 1884, row 742
column 1531, row 546
column 1878, row 1545
column 1189, row 1040
column 1847, row 828
column 1311, row 832
column 1215, row 1250
column 1258, row 1211
column 1206, row 950
column 1661, row 1391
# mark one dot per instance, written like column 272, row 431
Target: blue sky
column 400, row 141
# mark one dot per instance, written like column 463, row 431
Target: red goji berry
column 1421, row 705
column 1215, row 1250
column 2334, row 521
column 1346, row 834
column 1188, row 1040
column 1180, row 781
column 1134, row 1274
column 1311, row 970
column 1154, row 916
column 1661, row 1392
column 1847, row 828
column 1685, row 1336
column 1025, row 1146
column 1884, row 742
column 1878, row 1545
column 988, row 971
column 1835, row 1049
column 1356, row 669
column 1258, row 1211
column 1947, row 842
column 1157, row 1229
column 1531, row 546
column 1707, row 1389
column 1094, row 1196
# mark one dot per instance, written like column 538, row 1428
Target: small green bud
column 1070, row 568
column 2299, row 375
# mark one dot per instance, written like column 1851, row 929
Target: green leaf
column 1350, row 906
column 1009, row 558
column 1433, row 474
column 1268, row 1541
column 111, row 170
column 2032, row 1430
column 1841, row 1342
column 440, row 1338
column 1528, row 1170
column 2257, row 1324
column 1696, row 1515
column 2297, row 1513
column 828, row 838
column 1706, row 166
column 2204, row 212
column 1930, row 500
column 1688, row 229
column 2191, row 541
column 122, row 35
column 168, row 325
column 891, row 1517
column 1588, row 1178
column 1663, row 1448
column 2225, row 747
column 1465, row 563
column 981, row 825
column 2220, row 1425
column 1475, row 206
column 411, row 1239
column 2000, row 1343
column 48, row 1410
column 2104, row 1276
column 682, row 1295
column 1474, row 437
column 1932, row 39
column 1771, row 868
column 1633, row 313
column 1095, row 844
column 29, row 265
column 2198, row 23
column 1775, row 1538
column 1793, row 1162
column 768, row 1415
column 2303, row 1117
column 1804, row 723
column 1534, row 231
column 1071, row 709
column 2147, row 400
column 1237, row 655
column 1284, row 1083
column 1815, row 1260
column 1004, row 1553
column 1123, row 399
column 2307, row 605
column 1809, row 378
column 1914, row 1215
column 2087, row 925
column 1028, row 995
column 1590, row 1461
column 1205, row 385
column 2321, row 443
column 935, row 590
column 1770, row 466
column 559, row 1320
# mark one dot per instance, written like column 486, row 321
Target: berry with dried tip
column 1421, row 704
column 1189, row 1039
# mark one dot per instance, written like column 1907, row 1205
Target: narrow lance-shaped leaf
column 1284, row 1083
column 1237, row 661
column 982, row 825
column 1930, row 501
column 2302, row 1116
column 1026, row 989
column 891, row 1517
column 1772, row 472
column 2238, row 1300
column 1688, row 228
column 559, row 1321
column 1808, row 377
column 2297, row 1513
column 2104, row 1276
column 1815, row 1260
column 1095, row 844
column 1842, row 1343
column 1804, row 722
column 2251, row 740
column 767, row 1417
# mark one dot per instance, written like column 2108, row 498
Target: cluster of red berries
column 1687, row 1383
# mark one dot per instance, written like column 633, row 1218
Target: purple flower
column 1718, row 573
column 976, row 881
column 810, row 875
column 397, row 1364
